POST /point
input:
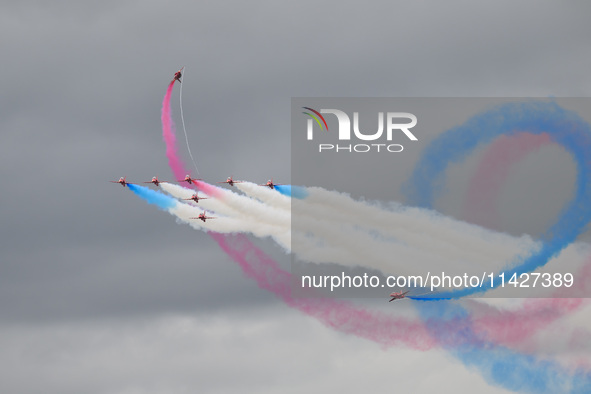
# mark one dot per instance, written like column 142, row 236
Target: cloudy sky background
column 101, row 293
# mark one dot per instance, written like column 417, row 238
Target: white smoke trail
column 265, row 194
column 183, row 121
column 331, row 227
column 224, row 224
column 233, row 221
column 417, row 239
column 379, row 238
column 209, row 203
column 234, row 204
column 329, row 250
column 415, row 226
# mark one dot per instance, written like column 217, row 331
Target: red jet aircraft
column 270, row 184
column 121, row 181
column 202, row 217
column 155, row 181
column 189, row 180
column 230, row 181
column 177, row 75
column 195, row 198
column 397, row 296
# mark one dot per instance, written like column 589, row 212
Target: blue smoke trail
column 157, row 198
column 292, row 191
column 564, row 127
column 450, row 324
column 448, row 321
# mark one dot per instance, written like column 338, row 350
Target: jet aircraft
column 397, row 296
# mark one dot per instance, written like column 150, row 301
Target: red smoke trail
column 257, row 265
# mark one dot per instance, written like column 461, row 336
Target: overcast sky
column 101, row 293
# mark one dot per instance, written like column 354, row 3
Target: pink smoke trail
column 493, row 171
column 512, row 328
column 168, row 133
column 339, row 315
column 257, row 265
column 515, row 327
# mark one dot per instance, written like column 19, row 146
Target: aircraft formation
column 230, row 181
column 195, row 197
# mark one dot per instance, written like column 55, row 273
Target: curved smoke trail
column 564, row 127
column 498, row 364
